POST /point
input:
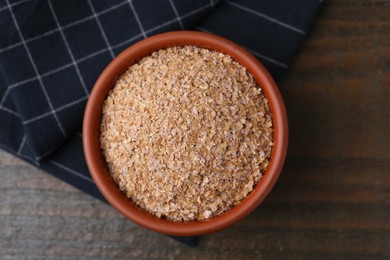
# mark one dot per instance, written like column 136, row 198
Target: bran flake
column 187, row 133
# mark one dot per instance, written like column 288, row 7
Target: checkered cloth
column 51, row 53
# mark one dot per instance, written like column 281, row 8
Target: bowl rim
column 91, row 132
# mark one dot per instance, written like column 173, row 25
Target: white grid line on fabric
column 14, row 4
column 17, row 84
column 21, row 155
column 38, row 158
column 101, row 28
column 137, row 19
column 68, row 48
column 4, row 97
column 37, row 118
column 176, row 13
column 12, row 86
column 262, row 56
column 21, row 145
column 162, row 25
column 36, row 70
column 65, row 26
column 89, row 56
column 10, row 111
column 74, row 102
column 44, row 34
column 200, row 9
column 127, row 41
column 59, row 165
column 279, row 63
column 269, row 18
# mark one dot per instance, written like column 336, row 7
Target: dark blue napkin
column 51, row 53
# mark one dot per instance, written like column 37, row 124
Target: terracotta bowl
column 96, row 162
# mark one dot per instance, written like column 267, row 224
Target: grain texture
column 187, row 133
column 331, row 202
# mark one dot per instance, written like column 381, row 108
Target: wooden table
column 332, row 200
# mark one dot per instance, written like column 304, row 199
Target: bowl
column 96, row 161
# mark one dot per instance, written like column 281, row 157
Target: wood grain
column 331, row 202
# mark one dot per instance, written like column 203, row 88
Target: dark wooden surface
column 331, row 202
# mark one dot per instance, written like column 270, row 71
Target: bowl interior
column 91, row 132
